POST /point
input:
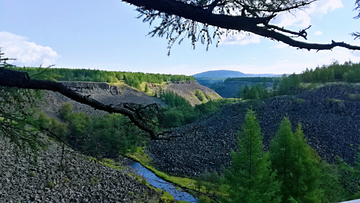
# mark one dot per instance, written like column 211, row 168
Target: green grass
column 354, row 96
column 144, row 160
column 167, row 197
column 334, row 100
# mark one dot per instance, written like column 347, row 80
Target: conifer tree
column 307, row 172
column 249, row 177
column 297, row 165
column 282, row 158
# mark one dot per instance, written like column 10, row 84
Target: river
column 155, row 181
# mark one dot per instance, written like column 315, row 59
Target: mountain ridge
column 230, row 73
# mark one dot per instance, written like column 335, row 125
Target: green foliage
column 173, row 100
column 297, row 165
column 204, row 199
column 252, row 79
column 354, row 96
column 200, row 95
column 132, row 79
column 289, row 84
column 18, row 124
column 50, row 185
column 332, row 185
column 105, row 136
column 347, row 72
column 209, row 181
column 32, row 174
column 254, row 92
column 249, row 177
column 182, row 113
column 349, row 177
column 167, row 197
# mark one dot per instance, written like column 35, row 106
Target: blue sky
column 106, row 35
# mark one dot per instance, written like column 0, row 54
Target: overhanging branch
column 18, row 79
column 256, row 25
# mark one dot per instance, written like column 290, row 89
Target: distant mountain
column 219, row 74
column 228, row 74
column 216, row 80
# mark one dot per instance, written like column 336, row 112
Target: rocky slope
column 330, row 118
column 79, row 180
column 101, row 92
column 188, row 90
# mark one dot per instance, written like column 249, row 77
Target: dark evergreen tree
column 297, row 165
column 307, row 170
column 249, row 177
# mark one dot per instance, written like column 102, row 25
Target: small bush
column 32, row 174
column 205, row 199
column 50, row 185
column 94, row 180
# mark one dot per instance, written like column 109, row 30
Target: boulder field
column 77, row 179
column 329, row 115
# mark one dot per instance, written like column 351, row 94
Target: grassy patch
column 300, row 100
column 334, row 100
column 200, row 96
column 311, row 85
column 354, row 96
column 142, row 158
column 167, row 197
column 119, row 83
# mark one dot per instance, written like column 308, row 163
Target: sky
column 106, row 35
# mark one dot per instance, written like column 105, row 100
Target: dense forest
column 295, row 83
column 130, row 78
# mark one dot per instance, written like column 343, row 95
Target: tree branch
column 136, row 114
column 255, row 25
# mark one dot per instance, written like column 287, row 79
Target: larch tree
column 297, row 165
column 249, row 177
column 308, row 169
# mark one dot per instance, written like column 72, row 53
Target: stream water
column 155, row 181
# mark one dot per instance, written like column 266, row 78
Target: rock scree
column 77, row 180
column 330, row 119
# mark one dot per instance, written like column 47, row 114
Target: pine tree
column 249, row 177
column 297, row 165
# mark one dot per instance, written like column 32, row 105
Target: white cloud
column 26, row 53
column 340, row 55
column 280, row 46
column 302, row 18
column 240, row 38
column 318, row 33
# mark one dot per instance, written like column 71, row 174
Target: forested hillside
column 130, row 78
column 233, row 87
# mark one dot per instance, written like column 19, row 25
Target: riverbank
column 184, row 183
